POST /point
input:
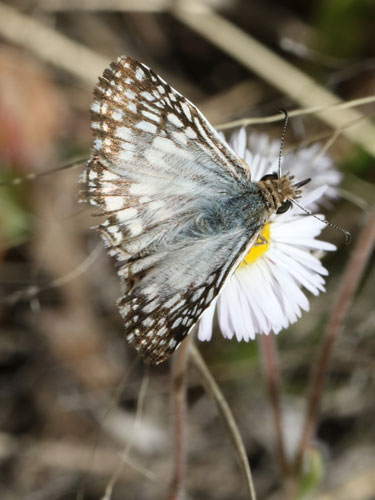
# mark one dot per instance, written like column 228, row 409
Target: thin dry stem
column 120, row 388
column 225, row 412
column 325, row 134
column 274, row 70
column 146, row 473
column 179, row 397
column 126, row 453
column 349, row 284
column 70, row 165
column 31, row 292
column 244, row 122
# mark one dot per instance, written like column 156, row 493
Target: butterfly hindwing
column 162, row 302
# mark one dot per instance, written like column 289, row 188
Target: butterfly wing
column 166, row 181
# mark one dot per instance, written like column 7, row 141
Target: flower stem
column 349, row 284
column 272, row 374
column 179, row 398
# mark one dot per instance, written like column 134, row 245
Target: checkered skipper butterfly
column 182, row 211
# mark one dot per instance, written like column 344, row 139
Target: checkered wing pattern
column 161, row 175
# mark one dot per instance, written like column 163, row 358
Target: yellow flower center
column 259, row 248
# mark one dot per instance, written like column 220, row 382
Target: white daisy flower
column 265, row 293
column 302, row 163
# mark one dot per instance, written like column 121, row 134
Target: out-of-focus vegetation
column 69, row 384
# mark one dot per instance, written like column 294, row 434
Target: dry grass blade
column 296, row 112
column 138, row 416
column 273, row 69
column 108, row 5
column 75, row 163
column 50, row 46
column 33, row 291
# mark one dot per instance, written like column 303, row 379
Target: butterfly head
column 280, row 191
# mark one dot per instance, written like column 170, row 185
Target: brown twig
column 224, row 410
column 349, row 284
column 272, row 374
column 179, row 397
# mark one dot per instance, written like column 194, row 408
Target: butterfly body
column 182, row 211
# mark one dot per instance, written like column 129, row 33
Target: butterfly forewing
column 166, row 182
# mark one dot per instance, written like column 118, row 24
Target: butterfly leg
column 261, row 241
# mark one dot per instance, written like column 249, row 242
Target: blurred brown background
column 69, row 384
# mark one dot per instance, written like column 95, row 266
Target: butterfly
column 181, row 209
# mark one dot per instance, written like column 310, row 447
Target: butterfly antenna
column 348, row 236
column 285, row 113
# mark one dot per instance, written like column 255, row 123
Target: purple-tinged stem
column 348, row 287
column 272, row 374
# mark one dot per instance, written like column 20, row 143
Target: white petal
column 206, row 321
column 268, row 295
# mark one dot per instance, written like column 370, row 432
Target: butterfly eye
column 284, row 207
column 271, row 177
